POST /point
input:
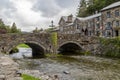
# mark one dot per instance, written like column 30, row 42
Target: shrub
column 110, row 47
column 14, row 50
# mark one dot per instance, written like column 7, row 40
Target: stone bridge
column 41, row 42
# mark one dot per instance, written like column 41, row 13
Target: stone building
column 106, row 23
column 85, row 26
column 66, row 24
column 111, row 20
column 93, row 24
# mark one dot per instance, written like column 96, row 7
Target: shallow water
column 75, row 67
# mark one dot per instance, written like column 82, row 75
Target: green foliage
column 92, row 6
column 49, row 30
column 23, row 46
column 54, row 38
column 14, row 50
column 37, row 30
column 28, row 77
column 87, row 53
column 14, row 29
column 82, row 12
column 7, row 29
column 111, row 47
column 2, row 25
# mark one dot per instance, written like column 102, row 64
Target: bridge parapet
column 8, row 41
column 77, row 38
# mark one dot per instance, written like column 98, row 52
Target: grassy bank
column 110, row 47
column 23, row 46
column 28, row 77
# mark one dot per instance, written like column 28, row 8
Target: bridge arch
column 70, row 47
column 38, row 50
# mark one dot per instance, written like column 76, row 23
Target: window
column 98, row 18
column 98, row 26
column 108, row 15
column 89, row 24
column 77, row 27
column 109, row 25
column 117, row 13
column 117, row 23
column 61, row 29
column 109, row 34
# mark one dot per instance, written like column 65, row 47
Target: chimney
column 70, row 17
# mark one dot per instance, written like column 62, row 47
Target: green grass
column 23, row 46
column 28, row 77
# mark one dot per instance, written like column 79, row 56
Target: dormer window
column 70, row 18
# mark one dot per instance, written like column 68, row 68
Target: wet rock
column 56, row 76
column 2, row 77
column 18, row 78
column 66, row 72
column 18, row 74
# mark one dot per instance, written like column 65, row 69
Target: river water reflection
column 77, row 67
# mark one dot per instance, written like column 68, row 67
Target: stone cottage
column 104, row 24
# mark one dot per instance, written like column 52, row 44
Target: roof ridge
column 115, row 4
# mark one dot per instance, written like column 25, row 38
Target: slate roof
column 89, row 17
column 112, row 6
column 93, row 16
column 70, row 24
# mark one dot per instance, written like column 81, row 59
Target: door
column 116, row 33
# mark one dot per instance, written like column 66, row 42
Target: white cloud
column 28, row 14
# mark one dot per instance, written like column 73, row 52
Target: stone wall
column 41, row 43
column 8, row 41
column 112, row 19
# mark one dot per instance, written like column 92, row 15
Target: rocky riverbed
column 10, row 70
column 61, row 68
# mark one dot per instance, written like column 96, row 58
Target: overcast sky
column 28, row 14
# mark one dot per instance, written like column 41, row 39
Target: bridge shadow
column 70, row 49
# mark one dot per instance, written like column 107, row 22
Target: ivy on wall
column 54, row 38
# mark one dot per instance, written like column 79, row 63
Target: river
column 72, row 67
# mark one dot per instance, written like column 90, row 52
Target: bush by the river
column 14, row 50
column 110, row 47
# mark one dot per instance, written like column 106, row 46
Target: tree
column 14, row 29
column 2, row 27
column 37, row 30
column 89, row 7
column 41, row 29
column 8, row 29
column 82, row 9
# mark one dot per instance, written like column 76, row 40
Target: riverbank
column 73, row 67
column 10, row 70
